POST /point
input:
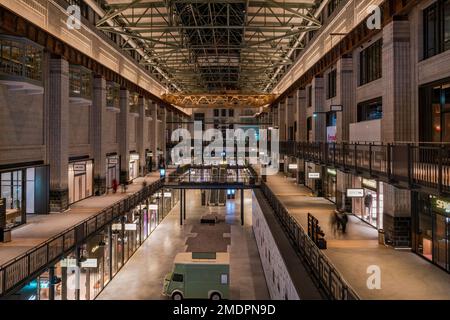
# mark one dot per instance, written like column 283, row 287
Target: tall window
column 331, row 84
column 309, row 96
column 436, row 28
column 216, row 112
column 370, row 63
column 370, row 110
column 332, row 5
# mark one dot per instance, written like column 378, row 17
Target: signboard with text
column 314, row 175
column 355, row 193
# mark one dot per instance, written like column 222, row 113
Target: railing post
column 355, row 156
column 370, row 159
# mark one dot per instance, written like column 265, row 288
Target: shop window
column 436, row 28
column 310, row 96
column 332, row 84
column 80, row 80
column 20, row 57
column 331, row 119
column 434, row 113
column 370, row 110
column 370, row 63
column 309, row 129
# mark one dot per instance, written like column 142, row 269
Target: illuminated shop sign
column 331, row 172
column 79, row 167
column 130, row 227
column 355, row 193
column 134, row 157
column 116, row 226
column 89, row 263
column 113, row 160
column 68, row 263
column 441, row 205
column 314, row 175
column 153, row 207
column 293, row 166
column 369, row 183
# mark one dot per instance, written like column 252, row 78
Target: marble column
column 397, row 215
column 318, row 104
column 155, row 138
column 397, row 122
column 142, row 134
column 346, row 90
column 123, row 136
column 99, row 135
column 58, row 133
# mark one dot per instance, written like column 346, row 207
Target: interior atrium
column 224, row 150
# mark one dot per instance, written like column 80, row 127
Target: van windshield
column 177, row 277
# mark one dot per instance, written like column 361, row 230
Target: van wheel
column 215, row 296
column 177, row 296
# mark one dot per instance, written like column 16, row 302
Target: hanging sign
column 113, row 160
column 314, row 175
column 116, row 226
column 79, row 167
column 130, row 227
column 355, row 193
column 153, row 207
column 89, row 263
column 293, row 166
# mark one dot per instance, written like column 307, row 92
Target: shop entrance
column 25, row 192
column 372, row 204
column 432, row 229
column 80, row 180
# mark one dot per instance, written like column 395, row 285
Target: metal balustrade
column 413, row 165
column 17, row 271
column 323, row 270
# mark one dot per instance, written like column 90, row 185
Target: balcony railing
column 26, row 266
column 412, row 164
column 321, row 267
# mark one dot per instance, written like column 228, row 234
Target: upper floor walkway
column 404, row 275
column 424, row 166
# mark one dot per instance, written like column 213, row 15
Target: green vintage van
column 199, row 276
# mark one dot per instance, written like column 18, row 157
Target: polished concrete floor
column 142, row 277
column 404, row 275
column 40, row 228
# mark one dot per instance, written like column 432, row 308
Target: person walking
column 344, row 221
column 115, row 185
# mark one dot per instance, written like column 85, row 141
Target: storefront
column 149, row 161
column 82, row 274
column 329, row 184
column 80, row 180
column 112, row 171
column 26, row 191
column 133, row 166
column 371, row 206
column 431, row 229
column 313, row 178
column 434, row 112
